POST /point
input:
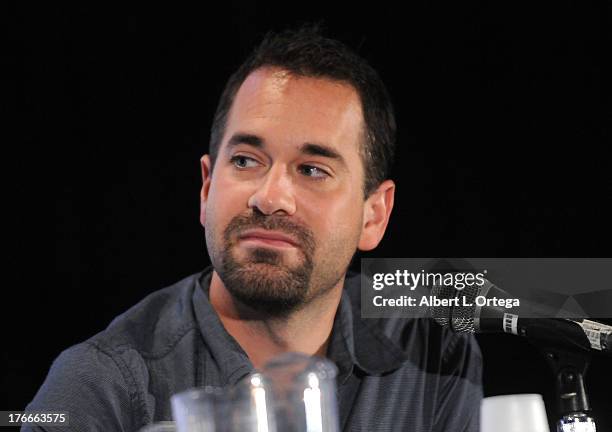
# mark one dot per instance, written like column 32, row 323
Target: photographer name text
column 433, row 301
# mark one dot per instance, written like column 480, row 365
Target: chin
column 264, row 283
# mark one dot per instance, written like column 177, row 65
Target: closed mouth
column 272, row 238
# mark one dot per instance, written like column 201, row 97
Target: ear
column 206, row 175
column 376, row 212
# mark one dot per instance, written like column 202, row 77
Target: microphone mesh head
column 463, row 315
column 442, row 314
column 460, row 317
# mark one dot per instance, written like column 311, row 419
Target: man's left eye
column 313, row 171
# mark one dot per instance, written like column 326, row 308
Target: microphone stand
column 569, row 367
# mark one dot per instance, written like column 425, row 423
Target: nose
column 274, row 194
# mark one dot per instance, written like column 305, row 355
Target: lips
column 272, row 238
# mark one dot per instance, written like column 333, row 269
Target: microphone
column 484, row 309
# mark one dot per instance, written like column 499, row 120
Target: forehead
column 289, row 110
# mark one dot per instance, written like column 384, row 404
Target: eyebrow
column 306, row 148
column 242, row 138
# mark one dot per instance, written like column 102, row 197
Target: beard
column 262, row 280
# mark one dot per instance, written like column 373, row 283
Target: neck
column 306, row 330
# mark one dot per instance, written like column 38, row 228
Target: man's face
column 283, row 210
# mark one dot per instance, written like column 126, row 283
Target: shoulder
column 154, row 325
column 420, row 339
column 444, row 368
column 92, row 386
column 103, row 381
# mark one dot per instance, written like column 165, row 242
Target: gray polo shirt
column 394, row 374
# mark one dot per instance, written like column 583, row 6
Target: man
column 294, row 183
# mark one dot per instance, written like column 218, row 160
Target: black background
column 503, row 151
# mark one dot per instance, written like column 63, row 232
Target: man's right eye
column 240, row 161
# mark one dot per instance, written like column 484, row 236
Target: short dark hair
column 306, row 52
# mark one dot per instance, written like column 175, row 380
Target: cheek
column 338, row 223
column 226, row 199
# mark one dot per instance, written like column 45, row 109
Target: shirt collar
column 360, row 341
column 230, row 359
column 354, row 342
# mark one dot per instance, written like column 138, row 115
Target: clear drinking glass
column 303, row 393
column 164, row 426
column 292, row 393
column 201, row 410
column 251, row 406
